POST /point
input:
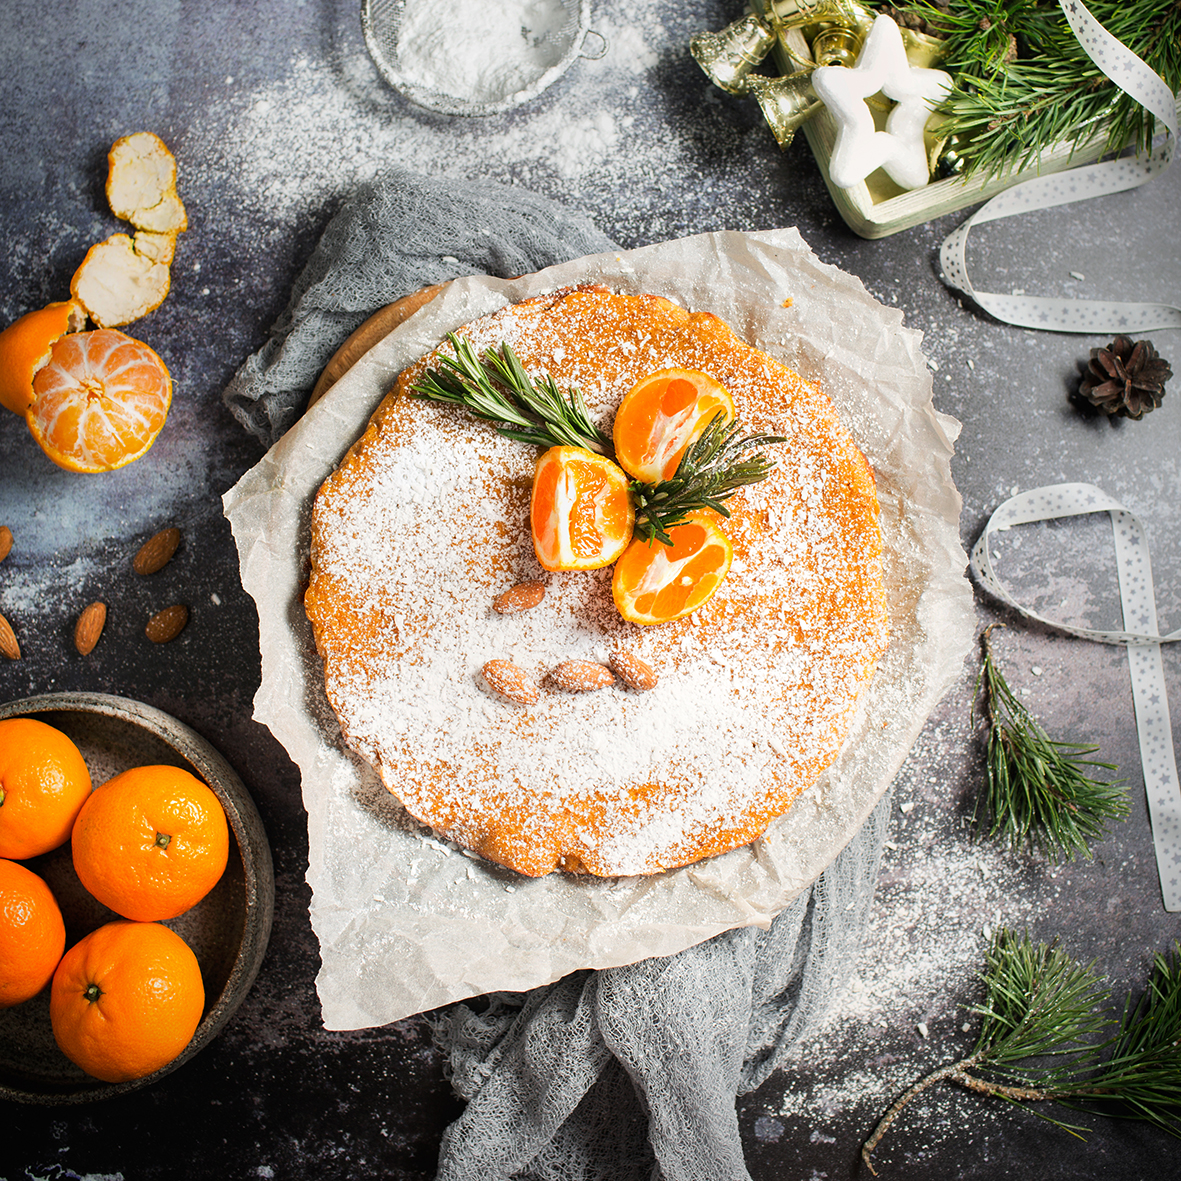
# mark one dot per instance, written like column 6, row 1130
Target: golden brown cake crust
column 425, row 523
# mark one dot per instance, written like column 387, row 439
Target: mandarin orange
column 581, row 512
column 151, row 843
column 43, row 785
column 100, row 401
column 25, row 347
column 661, row 416
column 656, row 583
column 126, row 1000
column 32, row 934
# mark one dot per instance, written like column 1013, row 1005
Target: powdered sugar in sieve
column 474, row 57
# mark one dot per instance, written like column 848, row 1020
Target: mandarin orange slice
column 581, row 513
column 100, row 401
column 656, row 583
column 661, row 416
column 25, row 345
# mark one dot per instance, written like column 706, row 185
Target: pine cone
column 1125, row 379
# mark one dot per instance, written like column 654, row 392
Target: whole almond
column 167, row 624
column 156, row 551
column 521, row 597
column 8, row 645
column 632, row 671
column 89, row 627
column 581, row 676
column 5, row 542
column 511, row 681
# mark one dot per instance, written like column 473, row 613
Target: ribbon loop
column 1141, row 636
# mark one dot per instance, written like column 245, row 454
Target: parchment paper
column 407, row 922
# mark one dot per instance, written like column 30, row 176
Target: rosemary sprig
column 712, row 469
column 1038, row 790
column 1040, row 1003
column 499, row 390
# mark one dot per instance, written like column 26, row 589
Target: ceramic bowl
column 228, row 929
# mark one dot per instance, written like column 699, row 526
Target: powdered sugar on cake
column 427, row 521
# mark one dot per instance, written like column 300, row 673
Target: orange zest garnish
column 100, row 401
column 581, row 513
column 661, row 416
column 655, row 583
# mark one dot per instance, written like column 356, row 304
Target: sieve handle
column 602, row 47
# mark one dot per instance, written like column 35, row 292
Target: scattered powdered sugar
column 429, row 522
column 481, row 50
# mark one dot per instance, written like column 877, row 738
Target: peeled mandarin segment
column 661, row 416
column 100, row 402
column 32, row 934
column 655, row 583
column 118, row 282
column 581, row 512
column 126, row 1000
column 25, row 346
column 141, row 184
column 44, row 783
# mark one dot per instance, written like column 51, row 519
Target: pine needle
column 1023, row 83
column 1039, row 791
column 1040, row 1017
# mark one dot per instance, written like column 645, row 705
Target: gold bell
column 729, row 56
column 788, row 102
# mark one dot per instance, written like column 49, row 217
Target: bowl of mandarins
column 136, row 896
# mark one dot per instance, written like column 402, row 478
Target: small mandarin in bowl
column 126, row 1000
column 44, row 781
column 32, row 934
column 151, row 842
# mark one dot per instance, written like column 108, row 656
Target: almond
column 581, row 676
column 519, row 598
column 511, row 681
column 155, row 552
column 167, row 624
column 8, row 645
column 5, row 542
column 632, row 671
column 89, row 627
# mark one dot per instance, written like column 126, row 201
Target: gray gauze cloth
column 394, row 236
column 624, row 1074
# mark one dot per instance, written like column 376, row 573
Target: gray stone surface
column 274, row 112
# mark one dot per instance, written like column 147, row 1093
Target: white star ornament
column 860, row 147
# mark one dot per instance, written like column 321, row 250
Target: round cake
column 426, row 523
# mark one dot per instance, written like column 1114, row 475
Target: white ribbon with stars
column 1137, row 79
column 1141, row 636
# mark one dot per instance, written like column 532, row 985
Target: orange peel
column 141, row 184
column 25, row 346
column 117, row 284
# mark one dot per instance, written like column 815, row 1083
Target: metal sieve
column 537, row 40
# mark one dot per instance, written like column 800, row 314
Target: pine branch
column 499, row 390
column 1038, row 789
column 1023, row 83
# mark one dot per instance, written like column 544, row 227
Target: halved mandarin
column 656, row 583
column 100, row 401
column 25, row 346
column 661, row 416
column 581, row 513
